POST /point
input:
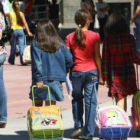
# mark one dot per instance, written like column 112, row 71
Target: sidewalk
column 17, row 129
column 18, row 80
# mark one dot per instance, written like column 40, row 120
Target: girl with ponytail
column 85, row 48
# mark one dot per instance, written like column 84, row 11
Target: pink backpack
column 112, row 116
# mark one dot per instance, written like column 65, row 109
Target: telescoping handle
column 96, row 94
column 49, row 93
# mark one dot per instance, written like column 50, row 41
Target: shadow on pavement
column 21, row 135
column 68, row 132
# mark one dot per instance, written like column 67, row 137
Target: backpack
column 112, row 116
column 113, row 123
column 2, row 22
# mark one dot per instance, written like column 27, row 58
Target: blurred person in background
column 3, row 53
column 102, row 14
column 18, row 23
column 54, row 13
column 136, row 19
column 89, row 5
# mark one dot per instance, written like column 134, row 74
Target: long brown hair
column 81, row 17
column 116, row 25
column 17, row 12
column 47, row 36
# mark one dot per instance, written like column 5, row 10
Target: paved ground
column 18, row 79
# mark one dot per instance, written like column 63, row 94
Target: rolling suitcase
column 44, row 122
column 135, row 109
column 113, row 122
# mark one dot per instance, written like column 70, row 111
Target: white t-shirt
column 99, row 6
column 5, row 6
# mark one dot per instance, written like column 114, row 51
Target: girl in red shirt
column 85, row 48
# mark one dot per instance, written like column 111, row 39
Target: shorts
column 56, row 91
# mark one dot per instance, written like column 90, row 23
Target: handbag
column 7, row 33
column 27, row 54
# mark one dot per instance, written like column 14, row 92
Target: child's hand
column 30, row 34
column 101, row 82
column 106, row 84
column 39, row 84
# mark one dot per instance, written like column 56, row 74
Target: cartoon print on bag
column 113, row 118
column 49, row 121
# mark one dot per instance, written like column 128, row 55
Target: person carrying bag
column 3, row 53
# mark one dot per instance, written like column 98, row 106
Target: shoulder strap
column 6, row 23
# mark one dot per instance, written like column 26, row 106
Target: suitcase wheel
column 138, row 133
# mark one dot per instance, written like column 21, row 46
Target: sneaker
column 2, row 125
column 85, row 138
column 77, row 133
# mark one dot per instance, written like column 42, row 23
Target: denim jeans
column 18, row 36
column 84, row 81
column 137, row 35
column 3, row 98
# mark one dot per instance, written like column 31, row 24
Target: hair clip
column 79, row 25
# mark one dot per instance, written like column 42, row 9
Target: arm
column 98, row 61
column 36, row 64
column 136, row 13
column 135, row 56
column 7, row 15
column 26, row 25
column 68, row 57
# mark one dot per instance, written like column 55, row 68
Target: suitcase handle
column 33, row 87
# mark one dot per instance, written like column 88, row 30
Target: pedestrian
column 136, row 19
column 27, row 10
column 3, row 53
column 118, row 58
column 89, row 5
column 85, row 48
column 102, row 14
column 18, row 22
column 54, row 13
column 21, row 5
column 50, row 61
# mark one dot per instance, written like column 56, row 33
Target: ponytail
column 17, row 12
column 79, row 37
column 81, row 18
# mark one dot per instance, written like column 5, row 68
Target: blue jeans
column 3, row 96
column 18, row 35
column 137, row 35
column 84, row 81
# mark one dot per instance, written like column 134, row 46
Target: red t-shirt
column 28, row 7
column 83, row 56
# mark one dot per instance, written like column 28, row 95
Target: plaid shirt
column 118, row 58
